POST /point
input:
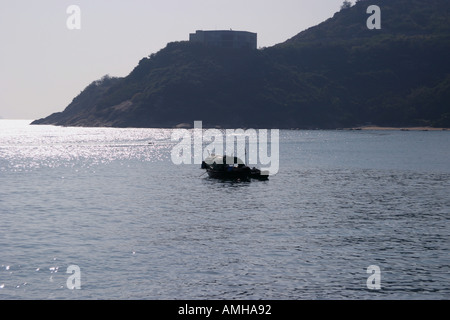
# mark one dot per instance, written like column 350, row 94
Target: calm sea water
column 140, row 227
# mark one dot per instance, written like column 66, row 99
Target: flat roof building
column 225, row 38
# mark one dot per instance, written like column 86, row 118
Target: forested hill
column 336, row 74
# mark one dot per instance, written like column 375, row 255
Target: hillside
column 336, row 74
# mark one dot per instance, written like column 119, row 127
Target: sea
column 105, row 213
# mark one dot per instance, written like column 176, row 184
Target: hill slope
column 337, row 74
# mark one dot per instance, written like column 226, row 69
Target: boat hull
column 244, row 175
column 224, row 175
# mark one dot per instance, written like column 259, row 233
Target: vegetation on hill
column 336, row 74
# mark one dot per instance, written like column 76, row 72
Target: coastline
column 399, row 128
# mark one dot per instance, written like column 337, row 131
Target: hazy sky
column 44, row 64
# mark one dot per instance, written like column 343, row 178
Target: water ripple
column 140, row 227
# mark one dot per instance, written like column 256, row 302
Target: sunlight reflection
column 25, row 147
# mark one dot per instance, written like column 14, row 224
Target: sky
column 44, row 64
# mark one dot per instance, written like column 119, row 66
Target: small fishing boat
column 231, row 168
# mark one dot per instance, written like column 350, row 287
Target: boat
column 231, row 168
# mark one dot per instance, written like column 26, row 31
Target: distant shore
column 399, row 128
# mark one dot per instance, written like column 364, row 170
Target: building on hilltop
column 225, row 38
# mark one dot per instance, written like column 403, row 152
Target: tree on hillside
column 346, row 4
